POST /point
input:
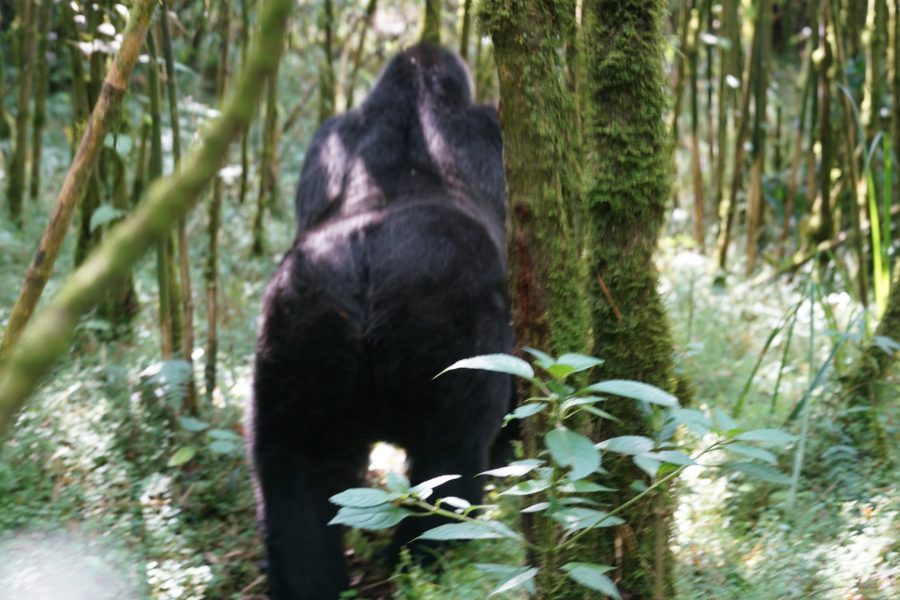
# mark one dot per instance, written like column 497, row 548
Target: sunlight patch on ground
column 62, row 566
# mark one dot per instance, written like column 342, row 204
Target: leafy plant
column 564, row 476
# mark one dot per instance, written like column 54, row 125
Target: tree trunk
column 628, row 101
column 268, row 170
column 42, row 84
column 327, row 88
column 15, row 190
column 431, row 29
column 215, row 215
column 548, row 278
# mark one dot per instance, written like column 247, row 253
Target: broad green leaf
column 103, row 214
column 574, row 518
column 579, row 362
column 570, row 449
column 722, row 421
column 223, row 446
column 455, row 502
column 481, row 530
column 601, row 413
column 585, row 487
column 526, row 488
column 580, row 401
column 224, row 434
column 373, row 518
column 542, row 359
column 774, row 437
column 627, row 444
column 525, row 411
column 693, row 419
column 536, row 507
column 182, row 455
column 752, row 452
column 397, row 482
column 560, row 371
column 432, row 483
column 192, row 424
column 576, row 500
column 593, row 576
column 634, row 390
column 515, row 469
column 761, row 472
column 498, row 363
column 648, row 465
column 363, row 497
column 672, row 457
column 518, row 579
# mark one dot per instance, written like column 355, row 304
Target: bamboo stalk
column 45, row 19
column 166, row 201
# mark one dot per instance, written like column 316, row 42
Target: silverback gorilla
column 397, row 271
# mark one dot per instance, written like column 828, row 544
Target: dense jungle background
column 701, row 193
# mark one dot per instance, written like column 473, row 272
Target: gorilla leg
column 305, row 554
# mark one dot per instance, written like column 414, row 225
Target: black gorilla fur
column 397, row 271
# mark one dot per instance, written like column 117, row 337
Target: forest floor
column 89, row 496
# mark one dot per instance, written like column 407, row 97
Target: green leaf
column 627, row 444
column 518, row 579
column 397, row 482
column 593, row 576
column 579, row 362
column 103, row 214
column 634, row 390
column 559, row 371
column 536, row 507
column 498, row 363
column 526, row 488
column 224, row 434
column 589, row 487
column 773, row 437
column 575, row 518
column 570, row 449
column 693, row 419
column 722, row 421
column 648, row 465
column 515, row 469
column 455, row 502
column 223, row 447
column 761, row 472
column 580, row 401
column 480, row 530
column 182, row 455
column 432, row 483
column 541, row 359
column 601, row 413
column 752, row 452
column 525, row 411
column 192, row 424
column 374, row 518
column 363, row 497
column 672, row 457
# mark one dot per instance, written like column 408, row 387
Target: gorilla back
column 398, row 270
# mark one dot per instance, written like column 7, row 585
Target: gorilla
column 398, row 270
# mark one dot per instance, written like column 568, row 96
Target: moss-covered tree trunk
column 327, row 87
column 628, row 140
column 548, row 279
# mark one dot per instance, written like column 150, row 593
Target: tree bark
column 431, row 29
column 42, row 84
column 632, row 149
